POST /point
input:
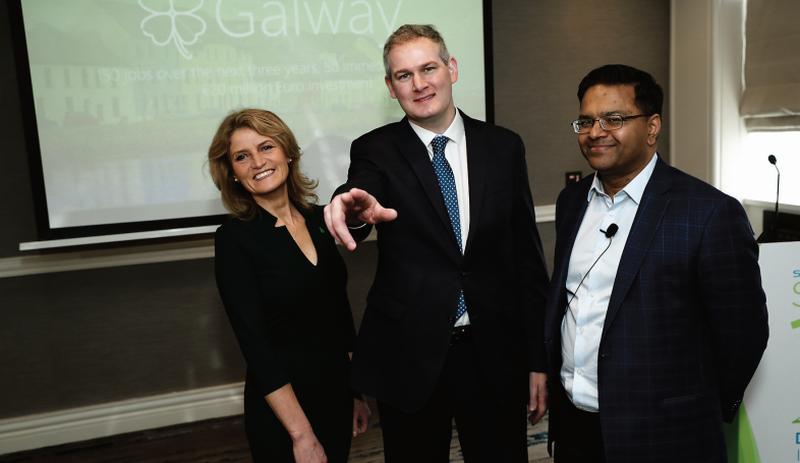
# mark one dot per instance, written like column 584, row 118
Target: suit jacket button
column 602, row 355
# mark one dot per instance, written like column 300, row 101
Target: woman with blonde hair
column 282, row 282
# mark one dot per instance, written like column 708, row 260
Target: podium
column 767, row 427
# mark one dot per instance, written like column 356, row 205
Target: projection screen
column 127, row 94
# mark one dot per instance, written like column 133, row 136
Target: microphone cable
column 609, row 232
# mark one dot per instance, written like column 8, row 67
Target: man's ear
column 452, row 66
column 388, row 81
column 653, row 129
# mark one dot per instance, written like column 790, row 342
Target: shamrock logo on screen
column 168, row 24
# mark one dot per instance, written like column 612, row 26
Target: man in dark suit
column 655, row 317
column 454, row 319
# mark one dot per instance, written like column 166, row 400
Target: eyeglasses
column 612, row 122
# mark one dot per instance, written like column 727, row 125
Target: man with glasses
column 655, row 320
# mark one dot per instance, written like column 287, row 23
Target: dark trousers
column 579, row 437
column 490, row 428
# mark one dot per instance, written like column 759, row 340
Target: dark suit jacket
column 404, row 336
column 686, row 323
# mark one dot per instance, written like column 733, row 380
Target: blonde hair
column 235, row 198
column 409, row 32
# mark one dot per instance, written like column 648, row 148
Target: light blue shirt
column 582, row 326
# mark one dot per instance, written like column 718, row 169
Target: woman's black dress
column 293, row 323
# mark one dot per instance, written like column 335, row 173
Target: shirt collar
column 455, row 132
column 634, row 189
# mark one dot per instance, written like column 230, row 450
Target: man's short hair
column 649, row 95
column 409, row 32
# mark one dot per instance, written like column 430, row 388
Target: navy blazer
column 686, row 324
column 404, row 336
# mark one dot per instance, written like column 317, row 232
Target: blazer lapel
column 416, row 154
column 478, row 156
column 645, row 223
column 574, row 208
column 572, row 224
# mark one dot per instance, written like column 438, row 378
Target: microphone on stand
column 771, row 235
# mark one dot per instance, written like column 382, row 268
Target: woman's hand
column 307, row 449
column 305, row 445
column 361, row 414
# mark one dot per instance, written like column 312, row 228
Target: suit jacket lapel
column 478, row 156
column 574, row 208
column 645, row 223
column 573, row 224
column 417, row 156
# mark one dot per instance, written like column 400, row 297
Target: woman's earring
column 235, row 179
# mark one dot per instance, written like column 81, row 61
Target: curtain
column 771, row 99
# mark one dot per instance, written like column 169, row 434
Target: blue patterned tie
column 447, row 184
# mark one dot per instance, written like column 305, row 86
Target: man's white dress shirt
column 585, row 315
column 456, row 154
